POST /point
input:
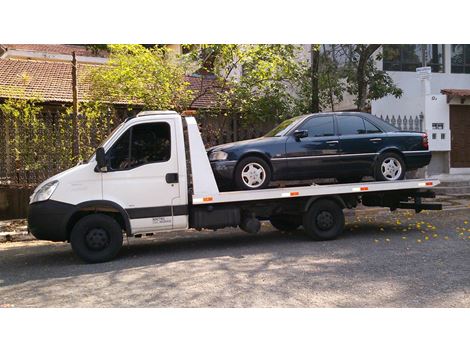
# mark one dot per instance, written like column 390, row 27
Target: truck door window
column 118, row 155
column 142, row 144
column 150, row 143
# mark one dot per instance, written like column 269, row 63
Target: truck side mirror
column 299, row 134
column 101, row 159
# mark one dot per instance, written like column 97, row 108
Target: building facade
column 435, row 79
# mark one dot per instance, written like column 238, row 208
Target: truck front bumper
column 47, row 220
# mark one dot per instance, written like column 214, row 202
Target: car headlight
column 45, row 192
column 219, row 155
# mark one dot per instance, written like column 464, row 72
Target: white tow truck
column 152, row 174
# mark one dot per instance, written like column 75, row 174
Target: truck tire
column 285, row 222
column 252, row 173
column 96, row 238
column 324, row 220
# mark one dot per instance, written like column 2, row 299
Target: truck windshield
column 116, row 130
column 283, row 127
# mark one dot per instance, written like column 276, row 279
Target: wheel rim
column 97, row 239
column 325, row 220
column 253, row 175
column 391, row 168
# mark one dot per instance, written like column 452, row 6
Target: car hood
column 248, row 142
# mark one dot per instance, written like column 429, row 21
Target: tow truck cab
column 152, row 174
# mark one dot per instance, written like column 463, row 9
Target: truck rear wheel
column 285, row 222
column 96, row 238
column 324, row 220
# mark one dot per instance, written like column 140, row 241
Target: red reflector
column 428, row 183
column 207, row 199
column 292, row 194
column 364, row 188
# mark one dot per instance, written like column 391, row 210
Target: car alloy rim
column 253, row 175
column 391, row 169
column 97, row 239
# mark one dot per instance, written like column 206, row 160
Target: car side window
column 141, row 144
column 319, row 126
column 370, row 128
column 350, row 124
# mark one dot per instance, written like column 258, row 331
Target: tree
column 256, row 82
column 139, row 75
column 365, row 81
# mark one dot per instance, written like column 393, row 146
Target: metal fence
column 405, row 122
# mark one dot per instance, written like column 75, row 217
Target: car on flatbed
column 342, row 145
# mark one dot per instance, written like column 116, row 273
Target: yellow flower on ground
column 419, row 241
column 426, row 238
column 446, row 237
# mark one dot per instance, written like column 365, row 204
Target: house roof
column 51, row 81
column 456, row 92
column 64, row 49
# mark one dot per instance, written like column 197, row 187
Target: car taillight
column 424, row 141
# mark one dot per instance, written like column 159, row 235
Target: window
column 408, row 57
column 370, row 128
column 351, row 125
column 140, row 145
column 460, row 58
column 319, row 126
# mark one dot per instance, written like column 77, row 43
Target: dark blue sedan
column 343, row 145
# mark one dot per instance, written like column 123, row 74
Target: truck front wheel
column 324, row 220
column 96, row 238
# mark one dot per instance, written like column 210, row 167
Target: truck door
column 143, row 175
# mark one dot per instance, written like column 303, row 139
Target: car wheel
column 252, row 173
column 96, row 238
column 390, row 167
column 285, row 222
column 324, row 220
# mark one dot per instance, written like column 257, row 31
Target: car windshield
column 283, row 127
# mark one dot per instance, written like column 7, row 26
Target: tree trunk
column 75, row 136
column 365, row 52
column 315, row 63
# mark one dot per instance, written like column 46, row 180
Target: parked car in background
column 343, row 145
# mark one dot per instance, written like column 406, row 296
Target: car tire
column 285, row 222
column 324, row 220
column 389, row 167
column 252, row 173
column 96, row 238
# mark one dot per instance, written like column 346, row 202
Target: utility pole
column 314, row 62
column 75, row 136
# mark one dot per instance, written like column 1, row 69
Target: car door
column 314, row 155
column 360, row 142
column 143, row 175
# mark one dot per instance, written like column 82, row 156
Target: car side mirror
column 299, row 134
column 101, row 160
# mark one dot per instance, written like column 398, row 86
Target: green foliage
column 24, row 131
column 258, row 82
column 139, row 75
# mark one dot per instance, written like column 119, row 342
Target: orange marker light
column 207, row 199
column 429, row 183
column 293, row 194
column 364, row 188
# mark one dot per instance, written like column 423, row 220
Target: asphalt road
column 382, row 260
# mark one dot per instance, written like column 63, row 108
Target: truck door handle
column 332, row 142
column 171, row 178
column 375, row 139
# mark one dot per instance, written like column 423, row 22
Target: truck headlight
column 219, row 155
column 45, row 192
